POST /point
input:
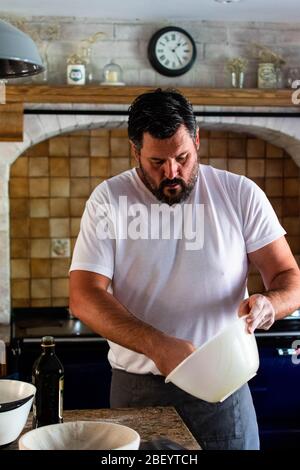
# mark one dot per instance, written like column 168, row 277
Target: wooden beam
column 11, row 122
column 11, row 114
column 93, row 94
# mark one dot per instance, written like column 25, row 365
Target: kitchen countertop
column 148, row 422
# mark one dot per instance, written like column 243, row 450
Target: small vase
column 241, row 79
column 237, row 79
column 87, row 57
column 233, row 79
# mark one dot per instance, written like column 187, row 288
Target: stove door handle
column 269, row 334
column 73, row 339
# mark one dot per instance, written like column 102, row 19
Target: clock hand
column 178, row 58
column 173, row 50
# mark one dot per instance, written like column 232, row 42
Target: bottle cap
column 47, row 341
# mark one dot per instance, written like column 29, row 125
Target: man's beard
column 174, row 195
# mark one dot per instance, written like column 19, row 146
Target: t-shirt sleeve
column 95, row 245
column 260, row 223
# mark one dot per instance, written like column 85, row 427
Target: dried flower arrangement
column 81, row 56
column 266, row 55
column 92, row 39
column 75, row 59
column 237, row 65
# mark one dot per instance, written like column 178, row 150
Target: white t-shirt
column 187, row 287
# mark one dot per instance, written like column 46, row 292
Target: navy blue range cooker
column 82, row 353
column 275, row 388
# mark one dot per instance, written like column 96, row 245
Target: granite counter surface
column 148, row 422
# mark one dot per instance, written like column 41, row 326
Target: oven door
column 87, row 370
column 275, row 390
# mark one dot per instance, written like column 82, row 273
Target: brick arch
column 282, row 132
column 39, row 127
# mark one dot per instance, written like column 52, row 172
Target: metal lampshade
column 19, row 56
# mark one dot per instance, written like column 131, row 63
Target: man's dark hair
column 161, row 113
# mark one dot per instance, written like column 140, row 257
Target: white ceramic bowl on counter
column 13, row 421
column 81, row 435
column 219, row 367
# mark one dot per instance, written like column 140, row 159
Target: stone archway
column 281, row 131
column 36, row 129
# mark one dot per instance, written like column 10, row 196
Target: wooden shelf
column 125, row 95
column 11, row 117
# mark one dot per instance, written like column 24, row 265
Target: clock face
column 172, row 51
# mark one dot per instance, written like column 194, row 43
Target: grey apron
column 230, row 425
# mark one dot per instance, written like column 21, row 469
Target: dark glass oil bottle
column 48, row 377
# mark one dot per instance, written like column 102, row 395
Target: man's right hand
column 170, row 352
column 104, row 314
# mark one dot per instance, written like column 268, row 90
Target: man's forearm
column 284, row 293
column 102, row 312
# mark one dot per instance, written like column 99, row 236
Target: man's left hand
column 259, row 310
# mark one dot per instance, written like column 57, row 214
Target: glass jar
column 279, row 77
column 112, row 74
column 267, row 77
column 43, row 77
column 87, row 58
column 293, row 74
column 75, row 70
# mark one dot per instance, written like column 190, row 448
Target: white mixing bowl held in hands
column 220, row 366
column 16, row 398
column 81, row 435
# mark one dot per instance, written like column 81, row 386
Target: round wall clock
column 172, row 51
